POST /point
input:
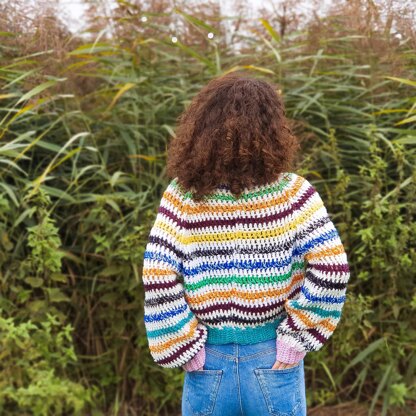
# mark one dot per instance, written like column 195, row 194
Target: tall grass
column 84, row 127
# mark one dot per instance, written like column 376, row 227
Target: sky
column 73, row 13
column 73, row 10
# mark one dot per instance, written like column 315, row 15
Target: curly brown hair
column 233, row 133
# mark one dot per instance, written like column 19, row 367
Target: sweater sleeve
column 313, row 315
column 174, row 334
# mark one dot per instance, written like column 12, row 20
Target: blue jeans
column 238, row 380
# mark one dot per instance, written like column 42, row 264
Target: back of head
column 234, row 132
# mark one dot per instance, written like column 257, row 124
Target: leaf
column 193, row 53
column 328, row 372
column 37, row 305
column 195, row 21
column 403, row 81
column 270, row 29
column 120, row 92
column 38, row 89
column 5, row 241
column 364, row 353
column 274, row 50
column 109, row 298
column 405, row 140
column 145, row 157
column 113, row 270
column 8, row 189
column 56, row 295
column 168, row 129
column 10, row 95
column 34, row 281
column 41, row 178
column 113, row 204
column 380, row 388
column 115, row 178
column 255, row 68
column 59, row 277
column 406, row 120
column 90, row 48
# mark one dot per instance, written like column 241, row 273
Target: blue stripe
column 328, row 236
column 153, row 255
column 171, row 329
column 328, row 299
column 243, row 264
column 165, row 315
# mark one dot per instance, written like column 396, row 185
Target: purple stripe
column 168, row 213
column 243, row 220
column 332, row 267
column 188, row 225
column 317, row 335
column 305, row 197
column 164, row 243
column 181, row 350
column 164, row 285
column 314, row 332
column 327, row 284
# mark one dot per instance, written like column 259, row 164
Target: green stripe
column 246, row 196
column 318, row 311
column 244, row 280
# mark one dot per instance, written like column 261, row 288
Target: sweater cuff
column 196, row 362
column 287, row 354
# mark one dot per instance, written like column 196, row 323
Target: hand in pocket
column 279, row 365
column 189, row 370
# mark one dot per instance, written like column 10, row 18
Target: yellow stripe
column 162, row 224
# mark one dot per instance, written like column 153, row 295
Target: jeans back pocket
column 201, row 389
column 281, row 389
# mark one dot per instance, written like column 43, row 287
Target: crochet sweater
column 267, row 265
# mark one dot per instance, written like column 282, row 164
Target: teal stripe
column 248, row 335
column 171, row 329
column 244, row 280
column 315, row 309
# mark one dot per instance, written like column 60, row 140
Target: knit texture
column 197, row 362
column 267, row 265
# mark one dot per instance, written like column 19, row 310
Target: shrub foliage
column 84, row 124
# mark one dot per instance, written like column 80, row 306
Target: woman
column 244, row 271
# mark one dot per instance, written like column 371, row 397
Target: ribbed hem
column 243, row 335
column 196, row 362
column 287, row 354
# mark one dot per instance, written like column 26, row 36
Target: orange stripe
column 234, row 293
column 325, row 323
column 324, row 252
column 159, row 348
column 206, row 208
column 152, row 273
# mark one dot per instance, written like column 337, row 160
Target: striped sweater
column 267, row 265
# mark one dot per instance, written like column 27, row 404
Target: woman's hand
column 194, row 369
column 279, row 365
